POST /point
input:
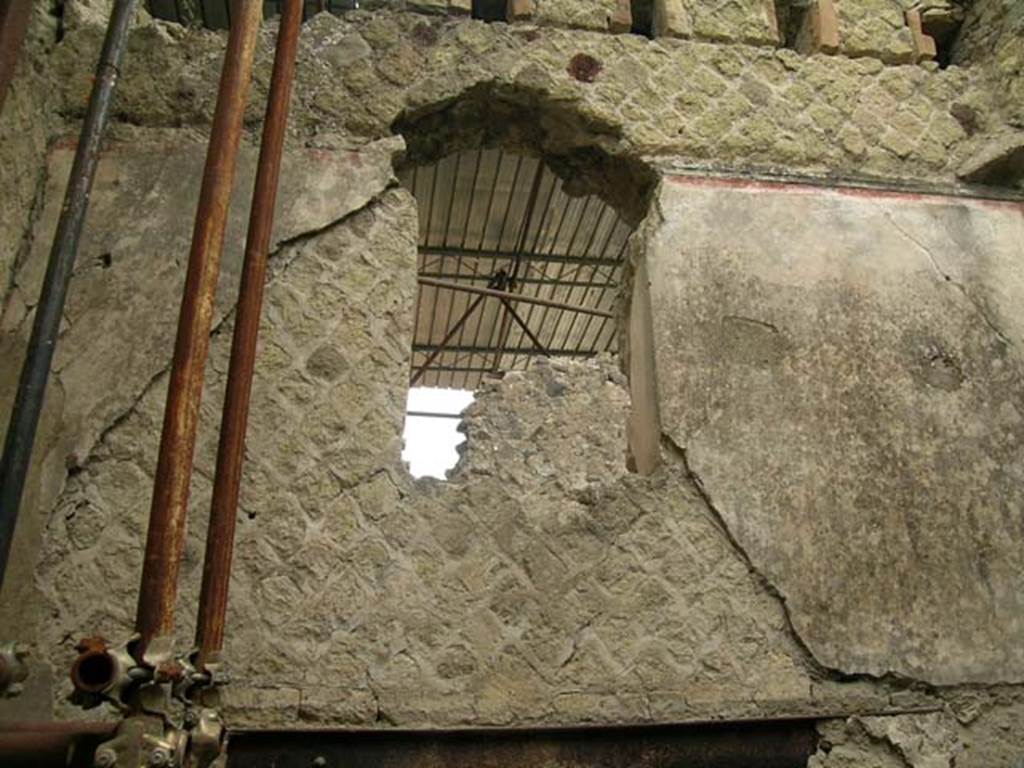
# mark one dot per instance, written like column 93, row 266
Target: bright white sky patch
column 429, row 441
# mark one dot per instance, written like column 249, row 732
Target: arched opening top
column 503, row 221
column 527, row 208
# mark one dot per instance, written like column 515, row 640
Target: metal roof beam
column 489, row 350
column 505, row 295
column 536, row 258
column 480, row 278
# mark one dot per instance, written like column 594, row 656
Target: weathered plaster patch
column 870, row 495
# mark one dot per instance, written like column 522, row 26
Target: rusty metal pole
column 444, row 342
column 167, row 518
column 220, row 537
column 14, row 18
column 28, row 402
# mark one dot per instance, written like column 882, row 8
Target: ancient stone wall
column 599, row 15
column 728, row 106
column 875, row 28
column 833, row 528
column 992, row 40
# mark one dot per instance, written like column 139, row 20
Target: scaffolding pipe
column 14, row 19
column 165, row 539
column 28, row 402
column 213, row 597
column 42, row 744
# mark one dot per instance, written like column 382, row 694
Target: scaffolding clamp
column 13, row 670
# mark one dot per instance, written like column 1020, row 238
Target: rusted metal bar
column 469, row 349
column 220, row 538
column 601, row 289
column 45, row 744
column 484, row 230
column 448, row 223
column 28, row 402
column 526, row 329
column 483, row 278
column 166, row 536
column 444, row 342
column 467, row 369
column 515, row 297
column 557, row 324
column 531, row 204
column 452, row 252
column 779, row 744
column 14, row 18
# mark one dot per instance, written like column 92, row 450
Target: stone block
column 738, row 21
column 875, row 29
column 621, row 19
column 429, row 6
column 597, row 15
column 670, row 19
column 924, row 45
column 819, row 29
column 999, row 162
column 520, row 10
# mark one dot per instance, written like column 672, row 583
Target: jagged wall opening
column 489, row 10
column 942, row 22
column 521, row 195
column 793, row 18
column 642, row 12
column 584, row 151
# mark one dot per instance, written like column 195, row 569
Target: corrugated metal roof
column 491, row 218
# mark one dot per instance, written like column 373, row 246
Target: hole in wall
column 490, row 10
column 794, row 18
column 514, row 264
column 431, row 435
column 943, row 26
column 643, row 17
column 523, row 232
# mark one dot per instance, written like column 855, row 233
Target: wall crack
column 816, row 667
column 946, row 277
column 890, row 681
column 277, row 268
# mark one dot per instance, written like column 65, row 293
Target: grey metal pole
column 21, row 430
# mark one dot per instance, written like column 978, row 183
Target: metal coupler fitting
column 13, row 670
column 102, row 672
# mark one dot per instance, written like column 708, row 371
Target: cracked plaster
column 702, row 652
column 868, row 415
